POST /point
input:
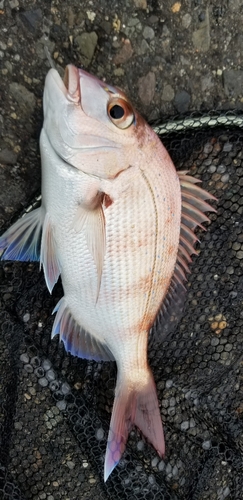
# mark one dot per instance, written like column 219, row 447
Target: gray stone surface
column 7, row 156
column 146, row 88
column 23, row 96
column 168, row 93
column 201, row 36
column 193, row 50
column 148, row 33
column 182, row 101
column 86, row 44
column 186, row 20
column 233, row 82
column 32, row 19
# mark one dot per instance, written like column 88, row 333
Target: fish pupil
column 116, row 112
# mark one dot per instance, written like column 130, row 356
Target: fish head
column 91, row 125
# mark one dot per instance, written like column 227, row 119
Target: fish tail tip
column 108, row 470
column 133, row 407
column 110, row 463
column 161, row 450
column 120, row 426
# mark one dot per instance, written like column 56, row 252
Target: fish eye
column 120, row 113
column 116, row 112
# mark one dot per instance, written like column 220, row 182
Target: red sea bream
column 117, row 223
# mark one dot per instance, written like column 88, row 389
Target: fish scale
column 117, row 224
column 122, row 301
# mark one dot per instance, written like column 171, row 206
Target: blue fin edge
column 76, row 339
column 22, row 241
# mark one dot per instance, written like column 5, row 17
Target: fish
column 117, row 224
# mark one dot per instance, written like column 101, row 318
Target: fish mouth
column 70, row 85
column 80, row 85
column 71, row 82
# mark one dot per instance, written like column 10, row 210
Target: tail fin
column 137, row 406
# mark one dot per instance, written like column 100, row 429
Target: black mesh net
column 55, row 409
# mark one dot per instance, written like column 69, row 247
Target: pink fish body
column 110, row 225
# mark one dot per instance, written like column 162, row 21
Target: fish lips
column 67, row 88
column 70, row 84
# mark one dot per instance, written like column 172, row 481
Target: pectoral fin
column 48, row 255
column 92, row 222
column 22, row 240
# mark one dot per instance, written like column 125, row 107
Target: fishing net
column 55, row 409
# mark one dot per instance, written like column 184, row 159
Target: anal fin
column 22, row 241
column 76, row 339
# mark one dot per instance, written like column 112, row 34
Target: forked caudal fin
column 133, row 406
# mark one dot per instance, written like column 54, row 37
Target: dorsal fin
column 192, row 214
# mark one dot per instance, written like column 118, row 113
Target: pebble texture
column 169, row 57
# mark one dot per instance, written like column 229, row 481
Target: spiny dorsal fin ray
column 196, row 202
column 182, row 250
column 194, row 190
column 188, row 178
column 180, row 273
column 197, row 215
column 187, row 245
column 92, row 222
column 182, row 262
column 190, row 222
column 192, row 214
column 188, row 234
column 76, row 339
